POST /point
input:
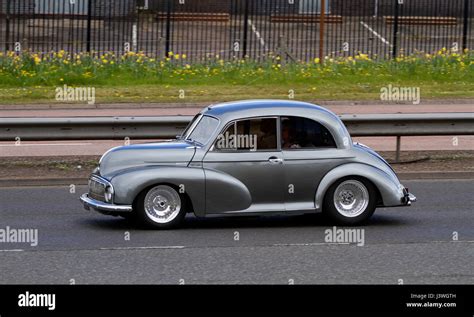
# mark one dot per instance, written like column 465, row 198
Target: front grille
column 97, row 189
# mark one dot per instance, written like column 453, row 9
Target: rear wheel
column 350, row 201
column 160, row 207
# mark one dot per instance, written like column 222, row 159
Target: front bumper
column 104, row 207
column 408, row 197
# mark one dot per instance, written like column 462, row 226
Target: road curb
column 200, row 105
column 5, row 183
column 73, row 106
column 435, row 175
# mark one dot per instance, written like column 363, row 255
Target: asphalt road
column 410, row 245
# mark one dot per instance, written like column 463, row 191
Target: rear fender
column 388, row 186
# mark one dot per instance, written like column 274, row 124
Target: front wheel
column 350, row 201
column 160, row 207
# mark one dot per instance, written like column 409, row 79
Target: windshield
column 190, row 125
column 203, row 130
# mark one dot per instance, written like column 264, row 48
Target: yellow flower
column 362, row 57
column 37, row 60
column 184, row 56
column 317, row 60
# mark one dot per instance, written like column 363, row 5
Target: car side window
column 225, row 140
column 259, row 134
column 304, row 133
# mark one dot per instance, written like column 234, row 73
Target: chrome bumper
column 408, row 198
column 102, row 206
column 411, row 198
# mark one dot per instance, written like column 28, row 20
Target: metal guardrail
column 419, row 124
column 410, row 125
column 114, row 128
column 92, row 128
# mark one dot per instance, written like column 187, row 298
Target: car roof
column 237, row 110
column 266, row 107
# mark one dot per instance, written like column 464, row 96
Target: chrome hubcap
column 162, row 204
column 351, row 198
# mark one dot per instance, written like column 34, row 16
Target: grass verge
column 137, row 78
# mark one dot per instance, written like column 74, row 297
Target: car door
column 248, row 152
column 309, row 152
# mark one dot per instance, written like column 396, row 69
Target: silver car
column 247, row 158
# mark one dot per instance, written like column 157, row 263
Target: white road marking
column 346, row 243
column 380, row 37
column 257, row 34
column 46, row 144
column 145, row 248
column 174, row 247
column 309, row 244
column 454, row 241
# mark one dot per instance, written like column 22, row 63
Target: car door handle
column 275, row 160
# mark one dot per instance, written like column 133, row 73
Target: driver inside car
column 288, row 136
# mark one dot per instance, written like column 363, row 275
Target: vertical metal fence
column 227, row 29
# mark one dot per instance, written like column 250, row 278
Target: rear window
column 303, row 133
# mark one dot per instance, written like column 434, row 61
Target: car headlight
column 109, row 194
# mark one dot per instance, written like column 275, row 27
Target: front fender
column 130, row 182
column 388, row 186
column 225, row 193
